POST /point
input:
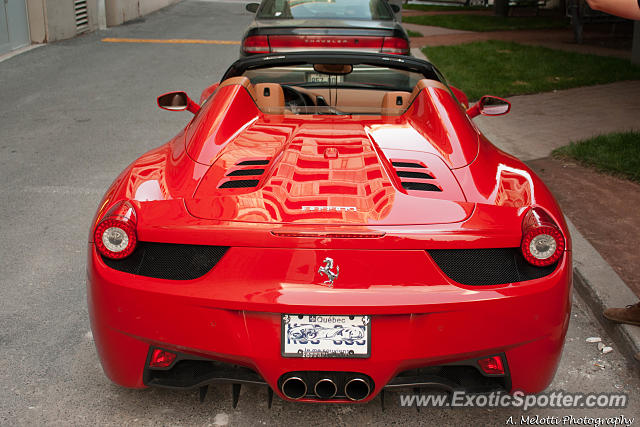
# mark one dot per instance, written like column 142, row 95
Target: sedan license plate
column 323, row 78
column 310, row 335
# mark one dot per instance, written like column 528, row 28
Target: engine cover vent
column 246, row 172
column 248, row 175
column 415, row 176
column 240, row 183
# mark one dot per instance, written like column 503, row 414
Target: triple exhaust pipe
column 355, row 388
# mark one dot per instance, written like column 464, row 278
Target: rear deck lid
column 321, row 176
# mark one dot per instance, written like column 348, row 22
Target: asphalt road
column 73, row 114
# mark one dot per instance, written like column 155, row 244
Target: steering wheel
column 298, row 100
column 301, row 99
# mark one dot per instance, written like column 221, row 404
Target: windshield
column 325, row 9
column 365, row 89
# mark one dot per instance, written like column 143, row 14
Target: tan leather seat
column 394, row 103
column 269, row 97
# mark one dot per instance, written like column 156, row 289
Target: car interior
column 275, row 98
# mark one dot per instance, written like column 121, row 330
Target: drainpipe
column 102, row 15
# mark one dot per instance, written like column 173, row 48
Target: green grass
column 441, row 8
column 616, row 153
column 488, row 22
column 506, row 68
column 414, row 33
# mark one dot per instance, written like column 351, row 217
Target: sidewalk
column 412, row 12
column 534, row 127
column 555, row 39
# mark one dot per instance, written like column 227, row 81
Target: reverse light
column 161, row 358
column 115, row 235
column 256, row 44
column 395, row 45
column 491, row 365
column 542, row 242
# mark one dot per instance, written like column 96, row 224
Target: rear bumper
column 412, row 326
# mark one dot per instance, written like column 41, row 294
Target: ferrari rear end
column 329, row 257
column 397, row 309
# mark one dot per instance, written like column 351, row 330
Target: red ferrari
column 330, row 225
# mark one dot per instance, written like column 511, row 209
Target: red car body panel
column 232, row 313
column 239, row 321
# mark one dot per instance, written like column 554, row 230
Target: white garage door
column 14, row 29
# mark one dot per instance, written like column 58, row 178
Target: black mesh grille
column 169, row 261
column 420, row 186
column 407, row 165
column 245, row 172
column 466, row 378
column 188, row 373
column 240, row 183
column 253, row 163
column 484, row 267
column 410, row 174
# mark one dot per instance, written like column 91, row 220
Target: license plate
column 310, row 335
column 323, row 78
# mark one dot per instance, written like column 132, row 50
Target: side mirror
column 177, row 101
column 489, row 106
column 252, row 7
column 395, row 8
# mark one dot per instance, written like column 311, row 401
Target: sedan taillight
column 282, row 43
column 256, row 44
column 395, row 45
column 115, row 235
column 542, row 240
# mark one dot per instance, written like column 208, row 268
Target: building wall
column 37, row 22
column 51, row 20
column 120, row 11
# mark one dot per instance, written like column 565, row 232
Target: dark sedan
column 295, row 25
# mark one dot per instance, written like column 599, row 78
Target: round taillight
column 542, row 241
column 115, row 236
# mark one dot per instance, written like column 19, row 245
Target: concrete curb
column 601, row 287
column 19, row 51
column 417, row 52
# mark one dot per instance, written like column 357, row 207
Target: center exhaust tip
column 294, row 388
column 325, row 388
column 357, row 389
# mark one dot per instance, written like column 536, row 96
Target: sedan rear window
column 325, row 9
